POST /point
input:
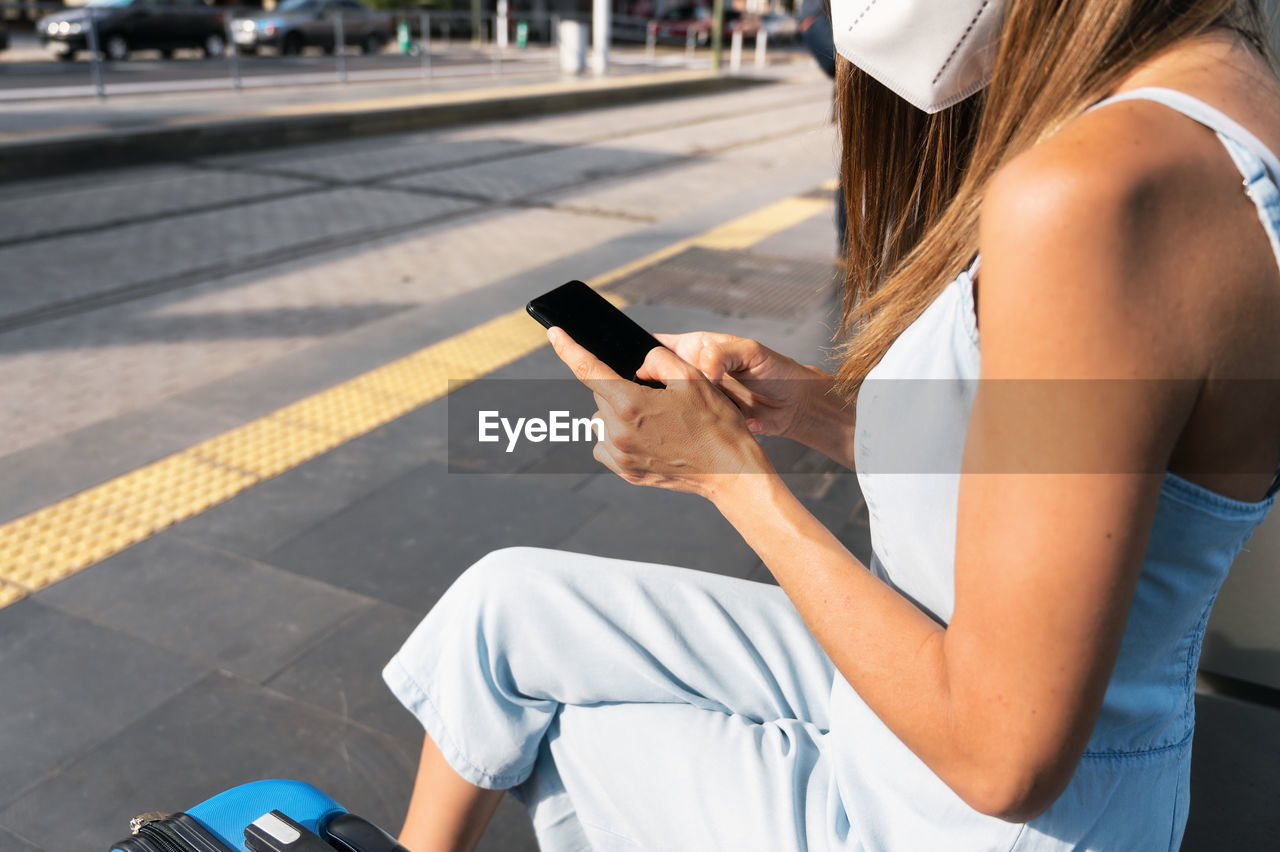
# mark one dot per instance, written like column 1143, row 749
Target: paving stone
column 1235, row 772
column 496, row 400
column 163, row 191
column 218, row 733
column 506, row 180
column 749, row 127
column 804, row 338
column 343, row 672
column 131, row 254
column 10, row 842
column 68, row 464
column 265, row 516
column 408, row 541
column 733, row 283
column 640, row 197
column 805, row 241
column 654, row 525
column 376, row 159
column 621, row 121
column 235, row 614
column 69, row 684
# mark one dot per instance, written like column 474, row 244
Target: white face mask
column 932, row 53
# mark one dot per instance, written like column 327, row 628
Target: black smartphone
column 597, row 326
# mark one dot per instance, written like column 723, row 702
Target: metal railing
column 399, row 44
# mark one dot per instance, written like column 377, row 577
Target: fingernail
column 552, row 334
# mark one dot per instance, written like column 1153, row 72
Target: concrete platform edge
column 40, row 157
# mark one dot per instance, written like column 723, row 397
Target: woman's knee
column 509, row 572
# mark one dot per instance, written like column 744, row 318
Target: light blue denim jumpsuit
column 638, row 706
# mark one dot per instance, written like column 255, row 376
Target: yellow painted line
column 746, row 231
column 52, row 543
column 740, row 233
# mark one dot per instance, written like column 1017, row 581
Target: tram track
column 318, row 185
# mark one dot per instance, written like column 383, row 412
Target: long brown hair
column 913, row 183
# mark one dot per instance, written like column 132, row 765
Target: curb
column 22, row 159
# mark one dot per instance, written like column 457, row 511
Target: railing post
column 601, row 30
column 233, row 54
column 425, row 44
column 689, row 45
column 339, row 46
column 553, row 39
column 497, row 48
column 735, row 52
column 650, row 40
column 762, row 42
column 95, row 63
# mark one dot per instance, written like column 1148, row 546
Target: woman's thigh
column 670, row 776
column 578, row 629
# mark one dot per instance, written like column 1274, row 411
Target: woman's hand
column 687, row 436
column 770, row 389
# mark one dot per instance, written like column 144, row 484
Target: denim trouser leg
column 652, row 699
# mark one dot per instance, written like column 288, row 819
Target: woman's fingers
column 713, row 353
column 663, row 365
column 590, row 370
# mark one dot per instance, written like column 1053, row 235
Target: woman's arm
column 1068, row 438
column 1084, row 314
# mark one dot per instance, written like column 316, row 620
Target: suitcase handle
column 350, row 833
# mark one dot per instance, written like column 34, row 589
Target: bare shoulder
column 1131, row 174
column 1112, row 227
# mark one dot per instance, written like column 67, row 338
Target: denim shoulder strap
column 1259, row 167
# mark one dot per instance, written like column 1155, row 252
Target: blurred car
column 779, row 27
column 124, row 26
column 296, row 24
column 4, row 36
column 676, row 24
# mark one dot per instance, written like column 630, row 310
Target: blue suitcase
column 264, row 816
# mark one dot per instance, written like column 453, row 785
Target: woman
column 1016, row 668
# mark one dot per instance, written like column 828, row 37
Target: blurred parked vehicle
column 676, row 24
column 296, row 24
column 779, row 27
column 124, row 26
column 4, row 36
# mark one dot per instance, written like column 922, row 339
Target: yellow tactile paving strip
column 54, row 542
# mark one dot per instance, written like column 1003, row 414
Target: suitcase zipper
column 158, row 832
column 157, row 839
column 149, row 817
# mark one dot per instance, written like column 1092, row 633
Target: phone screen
column 597, row 326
